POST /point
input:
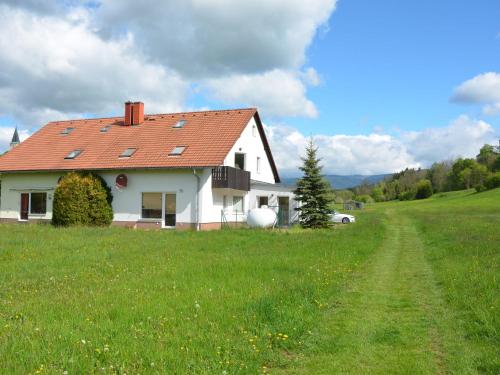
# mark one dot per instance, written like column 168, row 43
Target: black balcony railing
column 230, row 178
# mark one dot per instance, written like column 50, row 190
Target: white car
column 337, row 217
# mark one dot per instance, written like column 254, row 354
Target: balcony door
column 239, row 160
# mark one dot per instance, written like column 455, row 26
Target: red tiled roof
column 208, row 137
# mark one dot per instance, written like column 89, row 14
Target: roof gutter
column 197, row 200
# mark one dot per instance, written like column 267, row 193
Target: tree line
column 481, row 173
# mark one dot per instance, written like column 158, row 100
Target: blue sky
column 379, row 85
column 396, row 63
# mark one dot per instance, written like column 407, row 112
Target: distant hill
column 344, row 182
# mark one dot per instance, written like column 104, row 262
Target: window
column 105, row 129
column 262, row 201
column 238, row 204
column 254, row 131
column 128, row 152
column 258, row 164
column 73, row 154
column 178, row 150
column 239, row 160
column 151, row 205
column 38, row 203
column 67, row 131
column 179, row 124
column 170, row 210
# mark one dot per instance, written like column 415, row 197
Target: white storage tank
column 263, row 217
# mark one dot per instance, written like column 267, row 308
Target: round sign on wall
column 121, row 181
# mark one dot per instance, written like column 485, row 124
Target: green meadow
column 412, row 288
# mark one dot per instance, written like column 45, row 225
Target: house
column 178, row 170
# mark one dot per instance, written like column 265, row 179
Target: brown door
column 284, row 211
column 25, row 205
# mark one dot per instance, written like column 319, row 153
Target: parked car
column 338, row 217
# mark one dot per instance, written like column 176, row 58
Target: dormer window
column 67, row 131
column 180, row 124
column 128, row 152
column 178, row 150
column 73, row 154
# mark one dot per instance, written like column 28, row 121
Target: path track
column 390, row 319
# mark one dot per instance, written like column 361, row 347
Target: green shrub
column 424, row 189
column 109, row 195
column 492, row 181
column 407, row 195
column 81, row 199
column 365, row 198
column 479, row 188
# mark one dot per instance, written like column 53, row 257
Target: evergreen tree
column 313, row 192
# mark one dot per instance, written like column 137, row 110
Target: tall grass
column 461, row 232
column 121, row 301
column 114, row 300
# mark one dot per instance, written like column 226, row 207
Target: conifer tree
column 313, row 192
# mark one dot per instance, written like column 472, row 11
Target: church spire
column 15, row 139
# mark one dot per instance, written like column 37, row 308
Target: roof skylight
column 128, row 152
column 67, row 131
column 179, row 124
column 73, row 154
column 178, row 150
column 105, row 129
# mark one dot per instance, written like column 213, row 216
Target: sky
column 379, row 85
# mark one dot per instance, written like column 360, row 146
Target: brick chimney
column 134, row 113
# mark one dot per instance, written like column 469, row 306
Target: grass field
column 412, row 287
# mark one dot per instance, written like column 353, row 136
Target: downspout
column 197, row 200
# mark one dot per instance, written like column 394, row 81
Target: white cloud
column 65, row 59
column 57, row 66
column 492, row 109
column 484, row 89
column 6, row 136
column 205, row 37
column 276, row 93
column 381, row 153
column 341, row 154
column 462, row 137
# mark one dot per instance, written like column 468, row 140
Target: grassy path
column 392, row 318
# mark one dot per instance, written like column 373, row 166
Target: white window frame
column 46, row 199
column 163, row 201
column 242, row 203
column 259, row 162
column 258, row 200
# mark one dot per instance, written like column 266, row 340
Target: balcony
column 230, row 178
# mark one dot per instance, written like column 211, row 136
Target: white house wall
column 272, row 192
column 127, row 203
column 250, row 144
column 15, row 184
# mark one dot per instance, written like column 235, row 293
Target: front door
column 170, row 208
column 283, row 211
column 25, row 206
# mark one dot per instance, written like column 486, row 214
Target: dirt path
column 390, row 319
